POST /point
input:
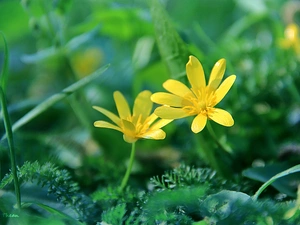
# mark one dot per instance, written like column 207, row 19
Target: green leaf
column 54, row 212
column 223, row 204
column 52, row 51
column 173, row 50
column 13, row 21
column 284, row 173
column 77, row 41
column 115, row 215
column 122, row 24
column 286, row 184
column 42, row 107
column 41, row 55
column 169, row 200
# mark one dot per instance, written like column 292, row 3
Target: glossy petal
column 217, row 74
column 199, row 123
column 166, row 112
column 104, row 124
column 177, row 88
column 222, row 117
column 109, row 114
column 157, row 134
column 150, row 119
column 128, row 128
column 134, row 126
column 122, row 105
column 129, row 139
column 160, row 123
column 195, row 73
column 167, row 99
column 143, row 104
column 224, row 88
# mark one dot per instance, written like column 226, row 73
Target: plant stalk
column 212, row 133
column 11, row 147
column 128, row 171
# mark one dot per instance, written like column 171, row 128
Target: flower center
column 202, row 102
column 139, row 123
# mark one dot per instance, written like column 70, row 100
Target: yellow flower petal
column 217, row 74
column 195, row 73
column 177, row 88
column 137, row 125
column 109, row 114
column 167, row 112
column 199, row 123
column 143, row 104
column 160, row 123
column 122, row 105
column 128, row 131
column 157, row 134
column 104, row 124
column 129, row 139
column 150, row 119
column 167, row 99
column 224, row 88
column 222, row 117
column 128, row 128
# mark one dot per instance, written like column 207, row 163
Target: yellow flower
column 291, row 39
column 137, row 125
column 87, row 61
column 199, row 100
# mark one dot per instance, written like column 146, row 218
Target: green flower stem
column 212, row 133
column 217, row 160
column 127, row 174
column 11, row 147
column 208, row 153
column 291, row 170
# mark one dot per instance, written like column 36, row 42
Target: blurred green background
column 54, row 43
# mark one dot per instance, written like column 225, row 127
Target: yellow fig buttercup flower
column 199, row 100
column 291, row 39
column 136, row 125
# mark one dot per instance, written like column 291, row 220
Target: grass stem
column 10, row 140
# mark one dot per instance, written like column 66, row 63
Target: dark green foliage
column 114, row 215
column 189, row 176
column 58, row 43
column 59, row 183
column 181, row 201
column 230, row 207
column 183, row 176
column 287, row 184
column 118, row 215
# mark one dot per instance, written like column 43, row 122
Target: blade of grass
column 9, row 135
column 42, row 107
column 291, row 170
column 7, row 124
column 4, row 71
